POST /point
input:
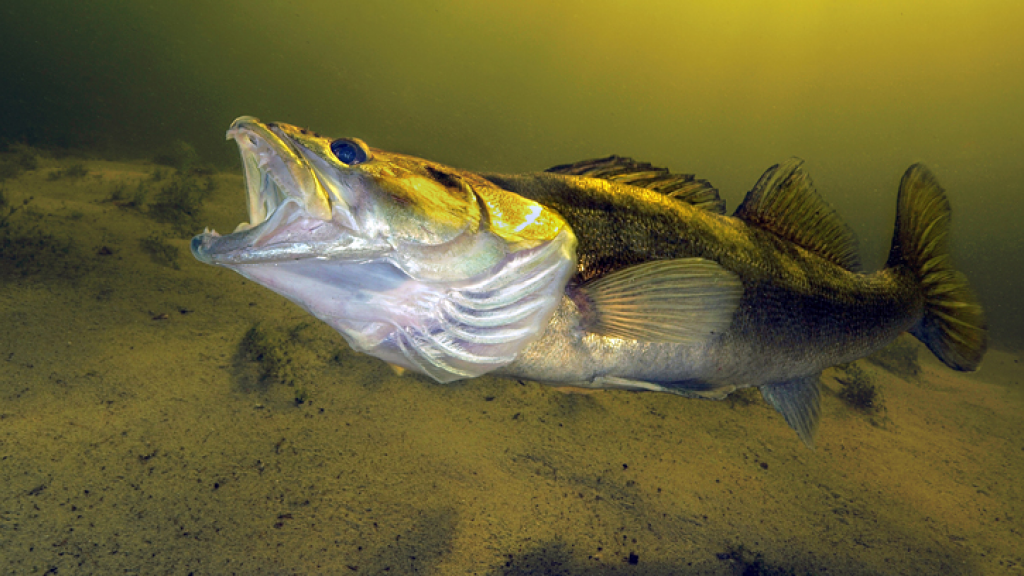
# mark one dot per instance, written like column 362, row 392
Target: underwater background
column 860, row 91
column 160, row 416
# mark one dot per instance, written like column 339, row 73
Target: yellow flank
column 521, row 222
column 414, row 199
column 518, row 220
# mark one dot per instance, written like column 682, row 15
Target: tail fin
column 953, row 326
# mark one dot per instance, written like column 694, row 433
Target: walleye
column 606, row 273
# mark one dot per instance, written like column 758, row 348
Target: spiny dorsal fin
column 785, row 203
column 683, row 187
column 686, row 300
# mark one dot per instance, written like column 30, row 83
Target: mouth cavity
column 274, row 172
column 289, row 207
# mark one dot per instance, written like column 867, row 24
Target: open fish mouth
column 292, row 213
column 267, row 177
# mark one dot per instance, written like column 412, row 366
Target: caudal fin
column 953, row 326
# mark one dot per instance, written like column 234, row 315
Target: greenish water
column 860, row 91
column 137, row 435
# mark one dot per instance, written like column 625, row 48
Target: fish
column 607, row 273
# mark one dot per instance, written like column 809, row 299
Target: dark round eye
column 348, row 152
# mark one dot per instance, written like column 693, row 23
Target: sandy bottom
column 137, row 437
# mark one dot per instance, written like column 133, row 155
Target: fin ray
column 954, row 326
column 785, row 203
column 667, row 301
column 683, row 187
column 799, row 402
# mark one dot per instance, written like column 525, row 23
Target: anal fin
column 799, row 402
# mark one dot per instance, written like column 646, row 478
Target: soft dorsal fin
column 785, row 203
column 680, row 301
column 683, row 187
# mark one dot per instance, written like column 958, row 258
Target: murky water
column 140, row 430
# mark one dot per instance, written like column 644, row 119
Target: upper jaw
column 292, row 213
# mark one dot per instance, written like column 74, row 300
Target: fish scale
column 605, row 273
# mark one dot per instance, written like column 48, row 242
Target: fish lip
column 278, row 174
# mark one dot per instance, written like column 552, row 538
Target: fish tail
column 953, row 325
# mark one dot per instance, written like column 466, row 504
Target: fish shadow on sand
column 558, row 558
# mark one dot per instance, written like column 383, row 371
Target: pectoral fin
column 799, row 402
column 678, row 301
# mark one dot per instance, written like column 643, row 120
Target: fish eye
column 348, row 152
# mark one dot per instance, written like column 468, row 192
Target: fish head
column 425, row 266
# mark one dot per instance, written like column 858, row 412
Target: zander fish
column 606, row 273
